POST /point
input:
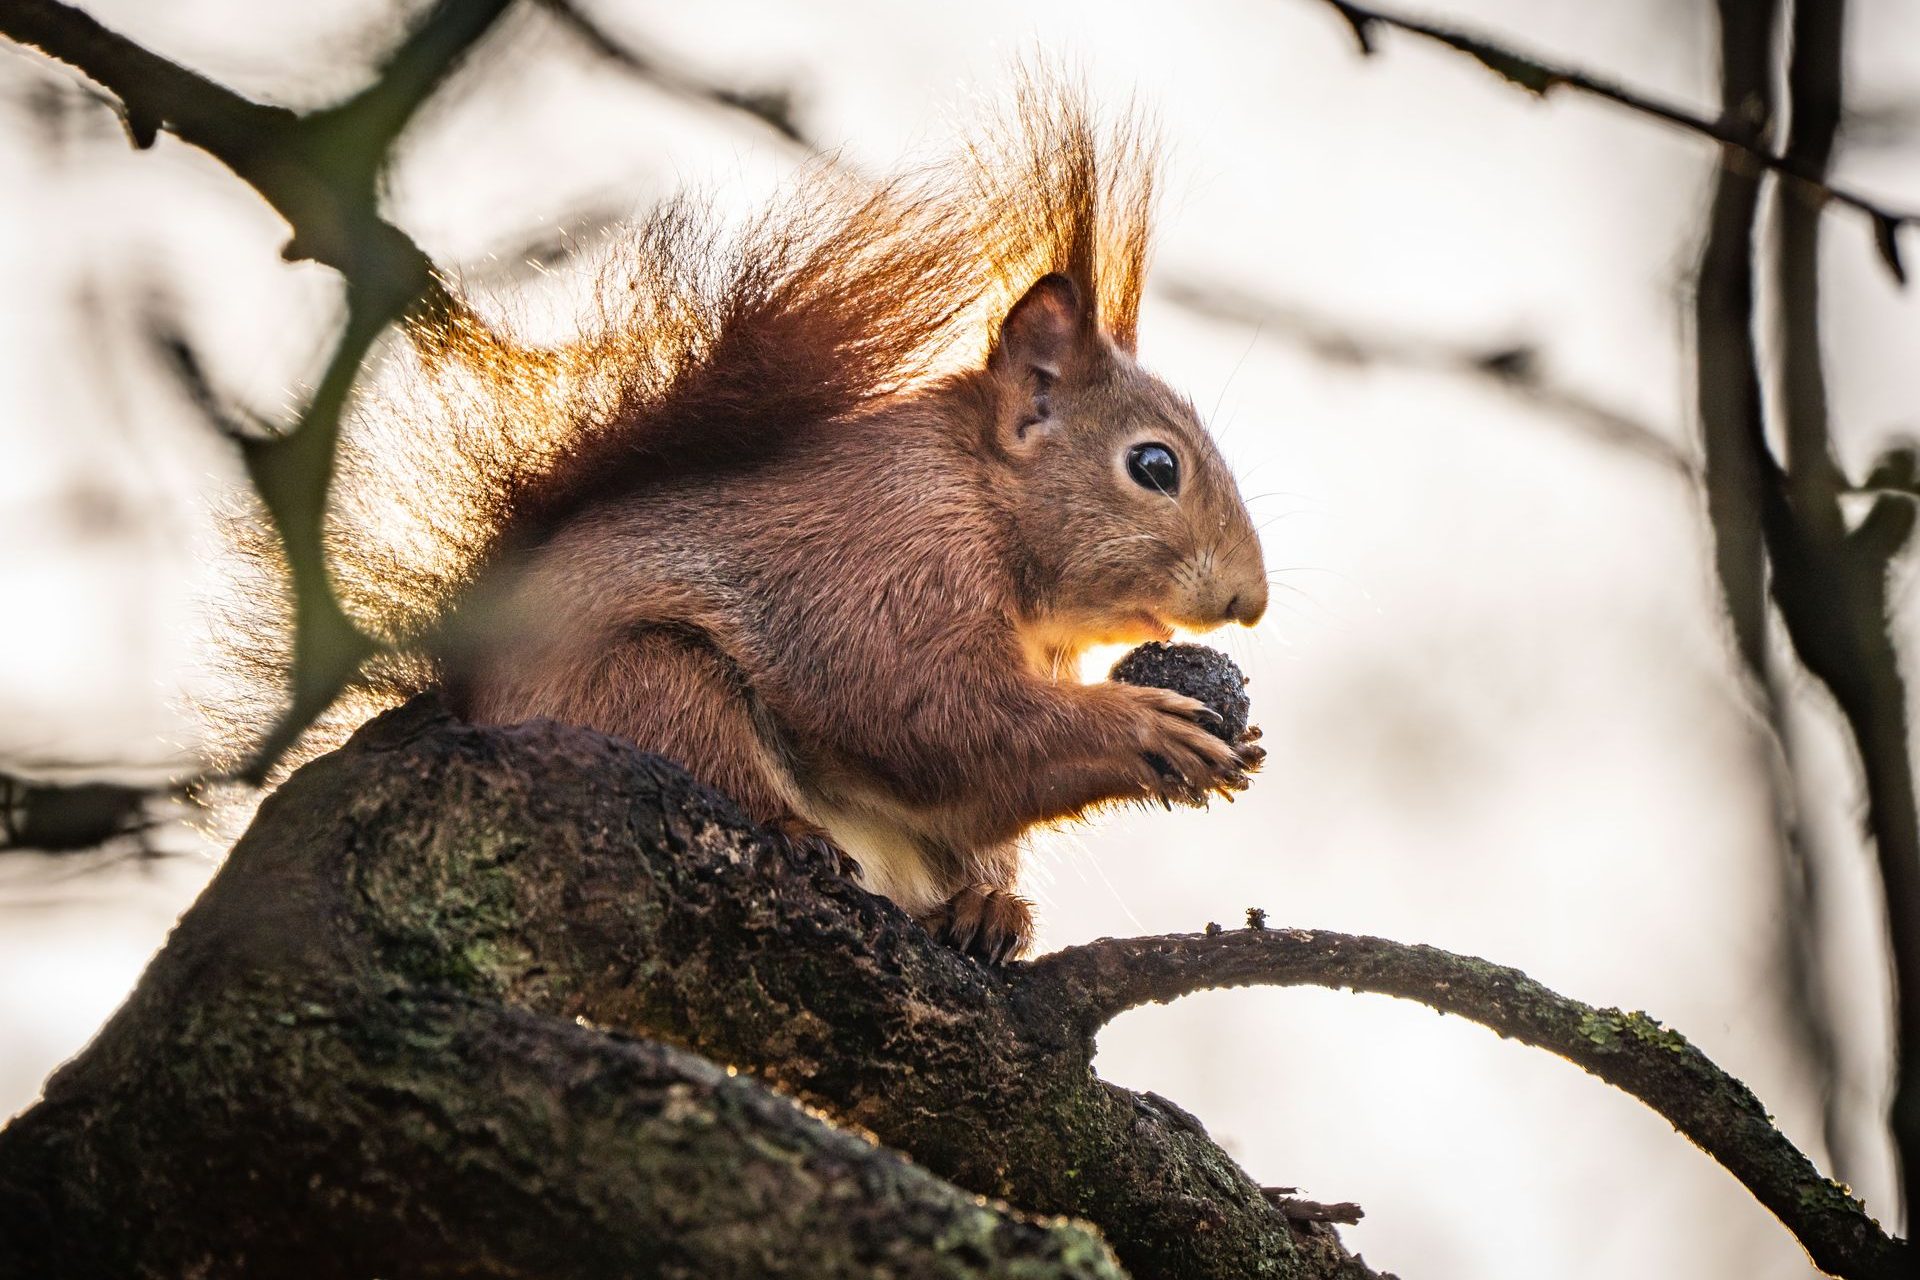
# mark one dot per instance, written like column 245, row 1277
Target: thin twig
column 1540, row 77
column 1294, row 1209
column 772, row 108
column 1087, row 986
column 1512, row 367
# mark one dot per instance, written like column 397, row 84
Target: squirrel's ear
column 1035, row 342
column 1040, row 331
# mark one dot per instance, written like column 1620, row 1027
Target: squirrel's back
column 710, row 347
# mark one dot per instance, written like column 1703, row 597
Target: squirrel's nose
column 1249, row 605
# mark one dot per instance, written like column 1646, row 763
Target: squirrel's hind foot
column 991, row 925
column 810, row 842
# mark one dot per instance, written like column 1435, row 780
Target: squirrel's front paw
column 989, row 924
column 1181, row 759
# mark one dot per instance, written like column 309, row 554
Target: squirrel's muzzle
column 1248, row 606
column 1222, row 593
column 1238, row 583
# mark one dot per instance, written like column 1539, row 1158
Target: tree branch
column 58, row 817
column 430, row 1134
column 153, row 92
column 772, row 108
column 1727, row 363
column 1540, row 77
column 1813, row 478
column 572, row 878
column 1739, row 474
column 321, row 172
column 1782, row 529
column 1092, row 984
column 1511, row 367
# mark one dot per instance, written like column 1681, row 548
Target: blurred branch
column 1513, row 367
column 321, row 172
column 1813, row 84
column 773, row 108
column 1729, row 402
column 1734, row 130
column 1727, row 361
column 63, row 818
column 1090, row 985
column 1830, row 583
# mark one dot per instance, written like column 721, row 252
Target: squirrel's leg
column 668, row 690
column 688, row 702
column 986, row 919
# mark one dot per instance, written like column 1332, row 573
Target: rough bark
column 300, row 1126
column 391, row 1037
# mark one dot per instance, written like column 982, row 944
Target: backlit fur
column 817, row 510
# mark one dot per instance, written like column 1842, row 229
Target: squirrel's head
column 1132, row 520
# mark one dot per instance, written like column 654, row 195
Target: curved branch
column 1092, row 984
column 1540, row 77
column 154, row 92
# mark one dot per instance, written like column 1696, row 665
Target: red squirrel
column 779, row 519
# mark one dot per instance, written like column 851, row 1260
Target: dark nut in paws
column 1204, row 674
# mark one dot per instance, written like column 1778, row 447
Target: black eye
column 1153, row 466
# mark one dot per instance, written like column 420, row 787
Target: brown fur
column 827, row 511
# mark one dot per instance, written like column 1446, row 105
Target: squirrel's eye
column 1153, row 466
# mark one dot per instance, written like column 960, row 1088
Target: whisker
column 1256, row 531
column 1221, row 434
column 1311, row 568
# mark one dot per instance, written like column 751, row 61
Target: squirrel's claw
column 806, row 841
column 989, row 924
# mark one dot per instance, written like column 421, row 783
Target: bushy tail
column 707, row 348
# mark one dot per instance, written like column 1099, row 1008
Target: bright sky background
column 1496, row 695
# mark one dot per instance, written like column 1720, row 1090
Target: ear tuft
column 1040, row 330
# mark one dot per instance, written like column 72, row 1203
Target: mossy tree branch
column 1090, row 985
column 338, row 1010
column 436, row 868
column 345, row 1131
